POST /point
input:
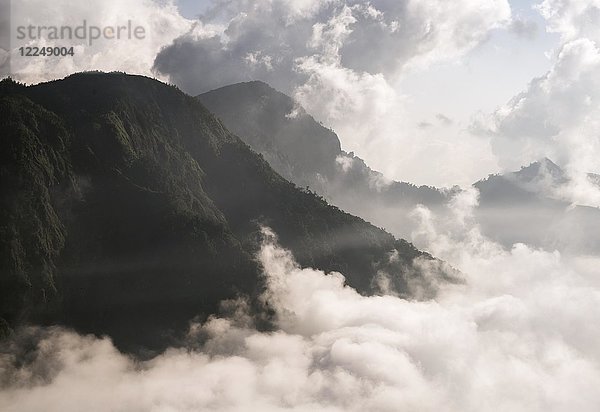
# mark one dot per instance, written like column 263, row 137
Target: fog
column 519, row 335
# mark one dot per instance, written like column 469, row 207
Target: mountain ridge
column 309, row 154
column 147, row 212
column 507, row 201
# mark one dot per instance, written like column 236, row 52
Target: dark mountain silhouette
column 295, row 144
column 514, row 207
column 527, row 185
column 520, row 207
column 308, row 154
column 128, row 209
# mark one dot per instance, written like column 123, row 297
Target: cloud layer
column 520, row 335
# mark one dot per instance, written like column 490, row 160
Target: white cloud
column 572, row 18
column 520, row 335
column 556, row 116
column 365, row 37
column 342, row 60
column 160, row 21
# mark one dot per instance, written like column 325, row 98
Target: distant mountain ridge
column 308, row 154
column 514, row 207
column 290, row 139
column 128, row 209
column 521, row 206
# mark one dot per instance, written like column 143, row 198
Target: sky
column 424, row 90
column 444, row 112
column 483, row 79
column 503, row 66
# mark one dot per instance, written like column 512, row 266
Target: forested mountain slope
column 128, row 209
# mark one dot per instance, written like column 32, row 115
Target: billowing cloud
column 342, row 60
column 94, row 49
column 271, row 39
column 557, row 116
column 572, row 18
column 520, row 335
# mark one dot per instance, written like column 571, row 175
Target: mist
column 520, row 334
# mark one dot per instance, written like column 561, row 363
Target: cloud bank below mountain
column 519, row 335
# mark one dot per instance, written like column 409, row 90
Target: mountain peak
column 252, row 88
column 540, row 170
column 295, row 145
column 257, row 84
column 309, row 154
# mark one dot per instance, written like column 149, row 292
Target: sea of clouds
column 520, row 334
